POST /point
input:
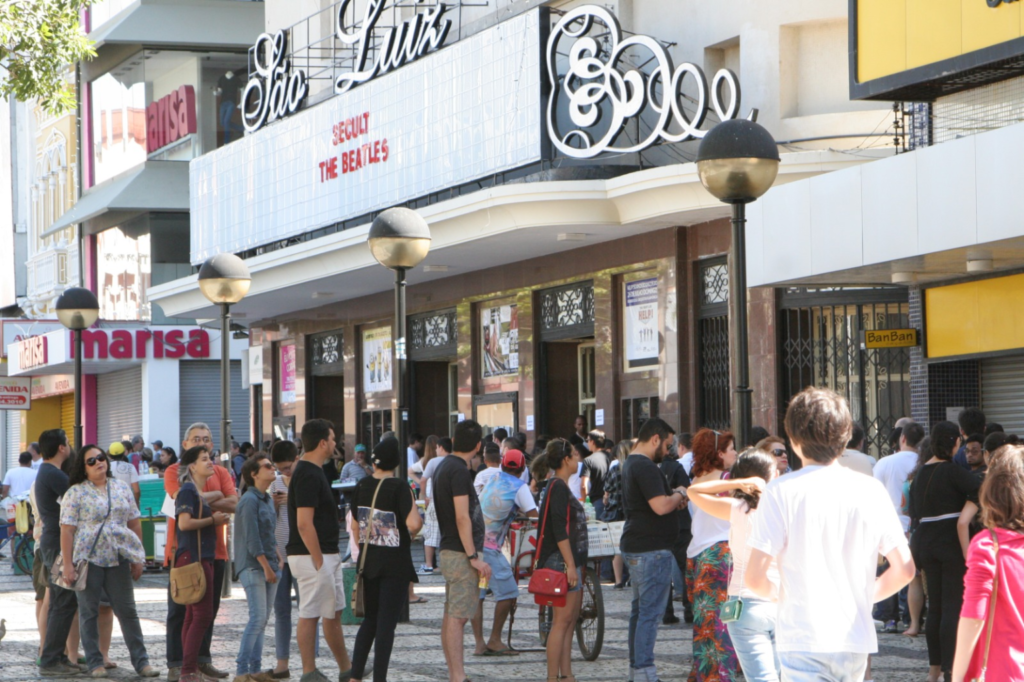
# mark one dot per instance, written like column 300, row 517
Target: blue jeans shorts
column 503, row 583
column 555, row 561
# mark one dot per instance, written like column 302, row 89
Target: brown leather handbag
column 188, row 582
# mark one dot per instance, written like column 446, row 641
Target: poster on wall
column 641, row 306
column 499, row 327
column 288, row 374
column 377, row 360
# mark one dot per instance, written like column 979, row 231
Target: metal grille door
column 13, row 418
column 67, row 418
column 199, row 399
column 821, row 346
column 1002, row 392
column 119, row 405
column 713, row 345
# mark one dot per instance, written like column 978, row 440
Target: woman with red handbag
column 562, row 547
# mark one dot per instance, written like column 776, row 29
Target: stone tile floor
column 417, row 656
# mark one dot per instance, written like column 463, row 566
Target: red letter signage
column 170, row 118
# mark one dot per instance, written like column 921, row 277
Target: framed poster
column 377, row 361
column 287, row 373
column 499, row 329
column 641, row 320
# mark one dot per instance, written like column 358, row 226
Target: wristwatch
column 474, row 556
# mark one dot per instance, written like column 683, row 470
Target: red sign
column 124, row 344
column 170, row 118
column 32, row 352
column 360, row 155
column 15, row 393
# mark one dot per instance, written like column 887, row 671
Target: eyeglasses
column 267, row 465
column 198, row 440
column 779, row 451
column 98, row 458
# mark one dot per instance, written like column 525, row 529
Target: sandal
column 419, row 600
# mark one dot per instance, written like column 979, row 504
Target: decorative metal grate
column 567, row 311
column 325, row 353
column 714, row 283
column 822, row 347
column 715, row 404
column 433, row 335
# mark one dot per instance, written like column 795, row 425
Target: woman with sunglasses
column 195, row 526
column 777, row 447
column 709, row 563
column 256, row 560
column 564, row 547
column 100, row 523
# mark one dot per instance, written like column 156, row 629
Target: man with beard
column 647, row 539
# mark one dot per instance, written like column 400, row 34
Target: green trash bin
column 347, row 616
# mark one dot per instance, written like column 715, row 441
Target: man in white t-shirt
column 826, row 526
column 853, row 456
column 18, row 482
column 893, row 471
column 431, row 532
column 37, row 455
column 492, row 460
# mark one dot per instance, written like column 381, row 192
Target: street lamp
column 224, row 279
column 737, row 162
column 400, row 239
column 78, row 309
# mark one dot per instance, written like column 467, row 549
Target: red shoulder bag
column 548, row 586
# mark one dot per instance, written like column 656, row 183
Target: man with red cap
column 504, row 496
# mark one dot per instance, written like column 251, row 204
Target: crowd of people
column 785, row 553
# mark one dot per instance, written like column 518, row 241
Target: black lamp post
column 738, row 161
column 224, row 279
column 78, row 309
column 400, row 239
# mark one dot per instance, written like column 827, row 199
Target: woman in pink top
column 1002, row 504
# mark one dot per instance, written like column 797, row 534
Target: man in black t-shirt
column 312, row 548
column 51, row 483
column 650, row 533
column 462, row 542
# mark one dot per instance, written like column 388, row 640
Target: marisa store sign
column 595, row 95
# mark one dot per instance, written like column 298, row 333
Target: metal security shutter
column 199, row 398
column 119, row 405
column 1002, row 392
column 13, row 444
column 67, row 417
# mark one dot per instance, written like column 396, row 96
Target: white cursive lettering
column 274, row 91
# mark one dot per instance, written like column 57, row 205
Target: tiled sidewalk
column 417, row 656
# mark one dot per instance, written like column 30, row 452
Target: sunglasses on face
column 91, row 461
column 779, row 452
column 267, row 465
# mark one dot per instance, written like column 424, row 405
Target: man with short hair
column 313, row 551
column 650, row 532
column 18, row 482
column 975, row 451
column 37, row 456
column 492, row 463
column 853, row 456
column 580, row 433
column 415, row 449
column 50, row 485
column 971, row 421
column 220, row 494
column 431, row 533
column 595, row 468
column 825, row 526
column 462, row 540
column 502, row 497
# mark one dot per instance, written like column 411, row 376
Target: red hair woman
column 709, row 563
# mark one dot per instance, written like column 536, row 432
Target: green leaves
column 39, row 41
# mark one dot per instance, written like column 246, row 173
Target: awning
column 193, row 23
column 153, row 186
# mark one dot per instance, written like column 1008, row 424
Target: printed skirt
column 707, row 584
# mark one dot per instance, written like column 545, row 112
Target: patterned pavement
column 417, row 656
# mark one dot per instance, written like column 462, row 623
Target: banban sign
column 274, row 91
column 602, row 95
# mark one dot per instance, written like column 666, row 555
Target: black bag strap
column 96, row 540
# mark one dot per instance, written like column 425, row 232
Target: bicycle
column 18, row 536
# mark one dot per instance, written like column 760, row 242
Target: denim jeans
column 227, row 112
column 815, row 667
column 651, row 573
column 116, row 583
column 63, row 605
column 260, row 595
column 283, row 614
column 753, row 638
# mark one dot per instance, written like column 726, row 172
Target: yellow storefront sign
column 900, row 44
column 975, row 317
column 890, row 338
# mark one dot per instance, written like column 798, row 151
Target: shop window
column 164, row 104
column 713, row 344
column 123, row 275
column 635, row 412
column 375, row 424
column 586, row 353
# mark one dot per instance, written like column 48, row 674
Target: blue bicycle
column 19, row 541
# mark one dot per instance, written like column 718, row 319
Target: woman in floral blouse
column 99, row 523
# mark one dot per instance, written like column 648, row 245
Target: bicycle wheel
column 590, row 626
column 23, row 555
column 545, row 615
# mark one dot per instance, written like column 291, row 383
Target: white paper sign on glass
column 641, row 306
column 467, row 111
